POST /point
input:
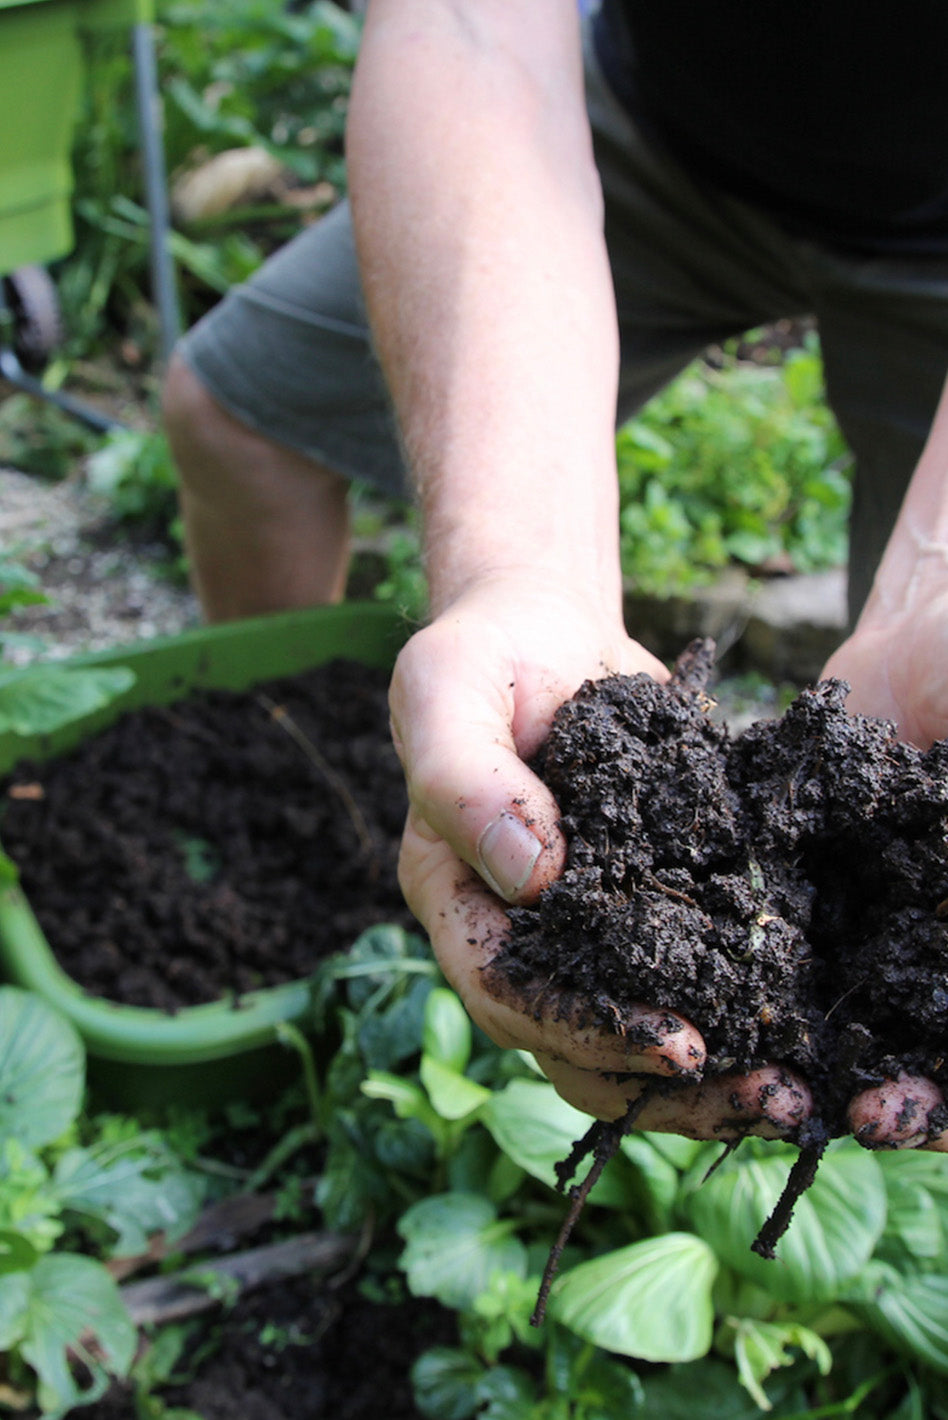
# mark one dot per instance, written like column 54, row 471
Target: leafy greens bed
column 445, row 1148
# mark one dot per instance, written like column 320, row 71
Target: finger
column 770, row 1101
column 466, row 779
column 468, row 926
column 905, row 1113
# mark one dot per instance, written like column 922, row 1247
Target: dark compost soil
column 298, row 1351
column 226, row 842
column 786, row 890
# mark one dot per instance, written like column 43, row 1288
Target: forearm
column 915, row 565
column 895, row 660
column 478, row 222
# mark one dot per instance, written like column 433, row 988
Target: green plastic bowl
column 226, row 1050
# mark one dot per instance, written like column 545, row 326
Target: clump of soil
column 787, row 890
column 227, row 842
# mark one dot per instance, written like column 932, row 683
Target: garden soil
column 299, row 1351
column 227, row 842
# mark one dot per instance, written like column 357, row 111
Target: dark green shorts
column 289, row 354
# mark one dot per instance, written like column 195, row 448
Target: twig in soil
column 282, row 717
column 815, row 1137
column 161, row 1299
column 220, row 1224
column 602, row 1140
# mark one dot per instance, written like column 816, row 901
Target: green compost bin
column 42, row 71
column 139, row 1056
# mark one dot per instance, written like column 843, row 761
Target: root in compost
column 784, row 889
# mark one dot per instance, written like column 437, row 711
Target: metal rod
column 164, row 290
column 13, row 372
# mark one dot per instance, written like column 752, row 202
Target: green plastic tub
column 203, row 1054
column 42, row 67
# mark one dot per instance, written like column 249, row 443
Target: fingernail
column 507, row 852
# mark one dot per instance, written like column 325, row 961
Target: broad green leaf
column 537, row 1129
column 17, row 1253
column 600, row 1386
column 659, row 1180
column 378, row 957
column 651, row 1299
column 908, row 1311
column 391, row 1034
column 408, row 1100
column 606, row 1388
column 835, row 1225
column 42, row 1069
column 14, row 1308
column 136, row 1189
column 9, row 872
column 915, row 1225
column 453, row 1095
column 70, row 1297
column 38, row 699
column 506, row 1393
column 917, row 1166
column 710, row 1390
column 677, row 1150
column 444, row 1382
column 454, row 1242
column 447, row 1034
column 761, row 1347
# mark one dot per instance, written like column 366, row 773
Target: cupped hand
column 897, row 667
column 472, row 698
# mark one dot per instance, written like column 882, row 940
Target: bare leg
column 266, row 528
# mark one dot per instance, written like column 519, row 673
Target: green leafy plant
column 37, row 701
column 133, row 471
column 58, row 1305
column 659, row 1296
column 40, row 438
column 740, row 464
column 249, row 74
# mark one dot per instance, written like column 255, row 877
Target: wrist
column 593, row 593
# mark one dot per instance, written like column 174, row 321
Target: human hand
column 897, row 666
column 472, row 698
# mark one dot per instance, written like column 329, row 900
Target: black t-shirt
column 831, row 114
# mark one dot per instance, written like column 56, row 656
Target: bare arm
column 478, row 221
column 897, row 658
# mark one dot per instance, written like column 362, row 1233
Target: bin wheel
column 37, row 324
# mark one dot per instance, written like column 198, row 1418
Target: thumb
column 452, row 726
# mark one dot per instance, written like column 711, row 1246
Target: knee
column 189, row 413
column 214, row 453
